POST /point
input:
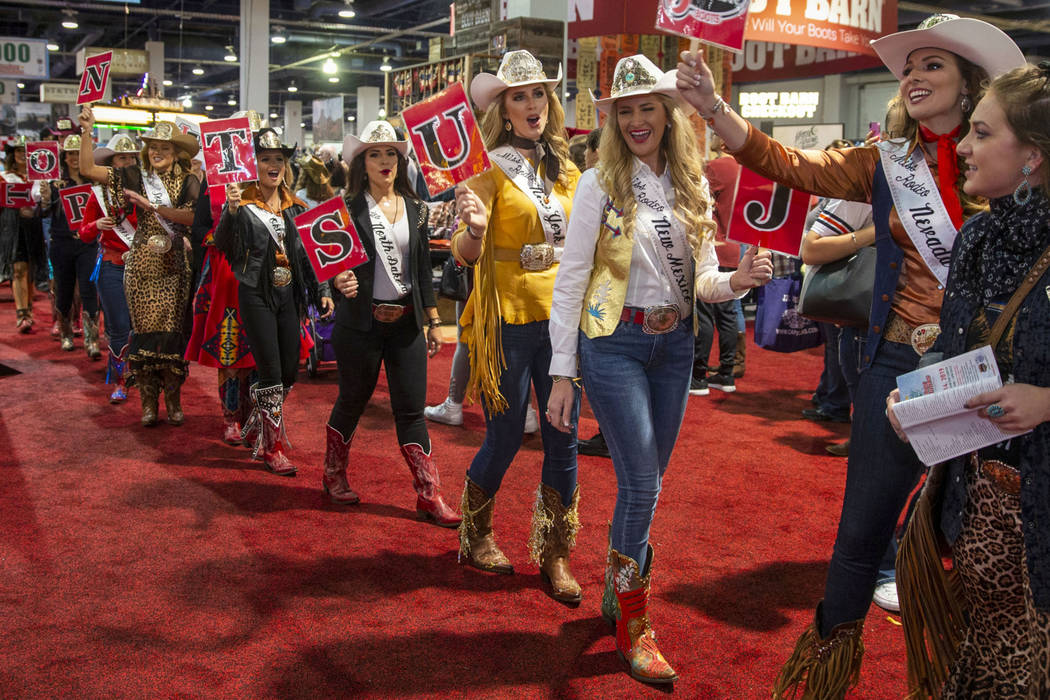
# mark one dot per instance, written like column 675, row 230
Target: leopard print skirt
column 1006, row 652
column 157, row 289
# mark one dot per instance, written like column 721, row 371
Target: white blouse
column 383, row 287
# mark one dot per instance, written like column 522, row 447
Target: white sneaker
column 886, row 595
column 448, row 412
column 532, row 421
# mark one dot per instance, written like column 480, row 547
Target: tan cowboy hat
column 377, row 133
column 516, row 69
column 71, row 143
column 169, row 132
column 315, row 170
column 637, row 75
column 120, row 143
column 978, row 42
column 268, row 140
column 17, row 141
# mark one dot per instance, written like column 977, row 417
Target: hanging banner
column 768, row 215
column 330, row 239
column 446, row 139
column 42, row 160
column 720, row 22
column 229, row 152
column 846, row 25
column 15, row 195
column 94, row 78
column 74, row 203
column 763, row 62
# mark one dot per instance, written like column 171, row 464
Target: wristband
column 555, row 378
column 434, row 323
column 470, row 232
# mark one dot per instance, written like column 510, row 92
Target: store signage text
column 23, row 58
column 779, row 105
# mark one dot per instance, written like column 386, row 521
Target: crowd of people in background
column 599, row 265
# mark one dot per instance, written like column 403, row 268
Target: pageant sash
column 665, row 235
column 549, row 207
column 919, row 205
column 386, row 245
column 157, row 194
column 271, row 222
column 124, row 230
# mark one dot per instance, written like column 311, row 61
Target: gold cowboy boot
column 635, row 640
column 554, row 528
column 822, row 669
column 477, row 545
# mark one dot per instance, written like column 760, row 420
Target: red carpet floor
column 162, row 563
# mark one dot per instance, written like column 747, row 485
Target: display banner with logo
column 229, row 152
column 764, row 61
column 15, row 195
column 446, row 139
column 42, row 160
column 75, row 202
column 718, row 22
column 94, row 78
column 768, row 215
column 831, row 24
column 330, row 239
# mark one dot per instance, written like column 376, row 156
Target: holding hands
column 755, row 270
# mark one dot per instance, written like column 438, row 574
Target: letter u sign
column 444, row 155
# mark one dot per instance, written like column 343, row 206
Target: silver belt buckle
column 388, row 313
column 282, row 276
column 660, row 319
column 536, row 257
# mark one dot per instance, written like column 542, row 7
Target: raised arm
column 88, row 169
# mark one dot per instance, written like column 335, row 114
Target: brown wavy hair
column 495, row 134
column 359, row 179
column 1024, row 95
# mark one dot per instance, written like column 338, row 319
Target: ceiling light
column 198, row 71
column 334, row 79
column 385, row 66
column 208, row 108
column 187, row 103
column 292, row 88
column 351, row 118
column 168, row 83
column 329, row 66
column 273, row 115
column 302, row 124
column 52, row 46
column 21, row 86
column 382, row 113
column 230, row 56
column 347, row 12
column 231, row 102
column 69, row 19
column 278, row 39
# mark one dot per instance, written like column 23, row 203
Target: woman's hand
column 560, row 404
column 695, row 81
column 891, row 400
column 346, row 283
column 233, row 197
column 86, row 118
column 139, row 201
column 1023, row 406
column 755, row 270
column 327, row 307
column 471, row 210
column 433, row 340
column 106, row 223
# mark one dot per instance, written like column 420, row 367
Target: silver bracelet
column 719, row 106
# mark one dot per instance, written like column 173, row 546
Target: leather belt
column 389, row 313
column 920, row 338
column 1005, row 478
column 533, row 257
column 654, row 320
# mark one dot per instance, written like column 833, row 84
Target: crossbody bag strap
column 1008, row 313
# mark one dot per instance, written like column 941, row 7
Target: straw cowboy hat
column 315, row 170
column 255, row 120
column 516, row 69
column 978, row 42
column 268, row 140
column 17, row 141
column 120, row 143
column 637, row 75
column 377, row 133
column 168, row 132
column 71, row 143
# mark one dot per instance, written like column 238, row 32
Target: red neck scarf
column 947, row 170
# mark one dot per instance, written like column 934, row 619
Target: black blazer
column 356, row 313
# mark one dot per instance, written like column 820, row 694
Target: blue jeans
column 114, row 305
column 849, row 359
column 832, row 392
column 882, row 471
column 527, row 351
column 637, row 385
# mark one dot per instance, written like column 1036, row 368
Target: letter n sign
column 94, row 78
column 229, row 153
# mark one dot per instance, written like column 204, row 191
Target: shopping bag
column 778, row 326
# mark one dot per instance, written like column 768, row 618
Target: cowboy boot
column 149, row 392
column 246, row 407
column 270, row 401
column 336, row 455
column 65, row 332
column 91, row 336
column 477, row 545
column 21, row 290
column 822, row 669
column 173, row 397
column 115, row 375
column 229, row 399
column 554, row 528
column 635, row 640
column 429, row 504
column 251, row 426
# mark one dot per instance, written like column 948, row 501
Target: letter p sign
column 94, row 78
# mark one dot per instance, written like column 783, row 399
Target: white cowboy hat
column 516, row 69
column 637, row 75
column 978, row 42
column 376, row 133
column 120, row 143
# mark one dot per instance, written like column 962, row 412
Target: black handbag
column 840, row 292
column 455, row 280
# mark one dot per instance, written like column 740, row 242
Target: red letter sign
column 229, row 153
column 15, row 195
column 94, row 78
column 446, row 139
column 768, row 215
column 330, row 239
column 74, row 203
column 722, row 25
column 42, row 160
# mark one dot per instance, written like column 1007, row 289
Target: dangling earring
column 507, row 125
column 1024, row 191
column 966, row 104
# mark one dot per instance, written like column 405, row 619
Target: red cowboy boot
column 333, row 482
column 270, row 401
column 635, row 641
column 425, row 479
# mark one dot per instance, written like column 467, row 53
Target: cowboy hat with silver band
column 71, row 143
column 377, row 133
column 17, row 141
column 268, row 140
column 120, row 143
column 255, row 120
column 516, row 69
column 978, row 42
column 170, row 133
column 637, row 75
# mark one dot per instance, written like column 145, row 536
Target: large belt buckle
column 282, row 276
column 536, row 257
column 923, row 337
column 388, row 313
column 660, row 319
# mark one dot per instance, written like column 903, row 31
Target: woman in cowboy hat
column 157, row 273
column 72, row 260
column 22, row 252
column 387, row 300
column 114, row 229
column 940, row 66
column 626, row 282
column 513, row 226
column 314, row 185
column 257, row 234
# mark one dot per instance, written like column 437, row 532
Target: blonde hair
column 494, row 133
column 679, row 147
column 1024, row 95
